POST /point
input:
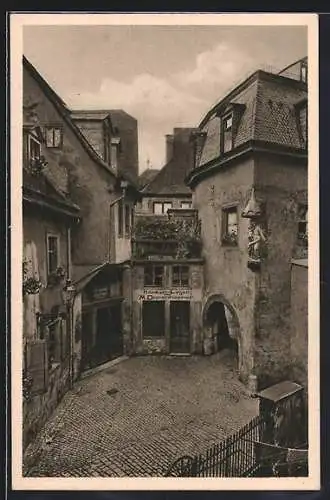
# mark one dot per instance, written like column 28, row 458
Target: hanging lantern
column 252, row 208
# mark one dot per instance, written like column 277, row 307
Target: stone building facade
column 250, row 189
column 166, row 285
column 78, row 216
column 299, row 321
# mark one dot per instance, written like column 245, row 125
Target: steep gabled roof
column 170, row 179
column 40, row 190
column 268, row 103
column 147, row 176
column 65, row 113
column 88, row 114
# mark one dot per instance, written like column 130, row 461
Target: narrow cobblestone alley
column 137, row 417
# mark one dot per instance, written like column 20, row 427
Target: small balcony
column 167, row 237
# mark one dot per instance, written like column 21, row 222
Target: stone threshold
column 104, row 366
column 180, row 354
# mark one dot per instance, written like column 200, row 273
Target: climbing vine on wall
column 185, row 234
column 37, row 165
column 31, row 285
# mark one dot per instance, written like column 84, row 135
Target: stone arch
column 233, row 324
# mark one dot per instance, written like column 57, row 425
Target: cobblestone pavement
column 136, row 418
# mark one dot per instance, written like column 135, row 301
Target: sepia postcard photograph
column 164, row 251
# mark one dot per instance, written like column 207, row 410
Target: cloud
column 216, row 70
column 157, row 105
column 161, row 104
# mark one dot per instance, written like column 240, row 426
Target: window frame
column 226, row 239
column 225, row 130
column 179, row 282
column 303, row 67
column 58, row 246
column 36, row 141
column 186, row 203
column 53, row 127
column 120, row 219
column 153, row 275
column 162, row 204
column 302, row 236
column 114, row 152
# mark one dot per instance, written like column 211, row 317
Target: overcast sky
column 164, row 76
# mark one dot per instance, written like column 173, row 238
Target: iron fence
column 232, row 457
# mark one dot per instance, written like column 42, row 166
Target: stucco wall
column 36, row 226
column 76, row 335
column 88, row 183
column 40, row 407
column 282, row 184
column 35, row 230
column 299, row 324
column 226, row 270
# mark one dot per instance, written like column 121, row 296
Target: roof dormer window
column 227, row 134
column 303, row 72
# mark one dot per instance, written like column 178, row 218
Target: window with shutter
column 227, row 127
column 230, row 226
column 37, row 365
column 53, row 137
column 120, row 219
column 53, row 250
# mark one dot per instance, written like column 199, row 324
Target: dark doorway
column 86, row 339
column 180, row 327
column 153, row 319
column 217, row 321
column 108, row 341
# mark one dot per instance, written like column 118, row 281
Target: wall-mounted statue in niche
column 256, row 232
column 257, row 239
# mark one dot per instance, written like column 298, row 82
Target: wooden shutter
column 37, row 365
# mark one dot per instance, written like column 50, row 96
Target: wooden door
column 179, row 327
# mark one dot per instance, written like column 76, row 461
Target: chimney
column 169, row 147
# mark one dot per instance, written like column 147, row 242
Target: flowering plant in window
column 230, row 238
column 303, row 238
column 36, row 165
column 56, row 277
column 27, row 385
column 31, row 285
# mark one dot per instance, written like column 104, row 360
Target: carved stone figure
column 257, row 238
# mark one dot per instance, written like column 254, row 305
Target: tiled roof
column 268, row 114
column 39, row 187
column 66, row 114
column 147, row 176
column 171, row 178
column 300, row 262
column 82, row 275
column 89, row 115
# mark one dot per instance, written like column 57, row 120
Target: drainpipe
column 68, row 257
column 69, row 295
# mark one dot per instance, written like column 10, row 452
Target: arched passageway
column 221, row 326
